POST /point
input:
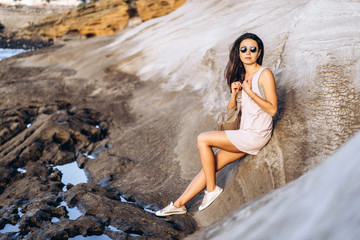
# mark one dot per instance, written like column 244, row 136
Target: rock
column 2, row 27
column 84, row 225
column 41, row 136
column 99, row 170
column 61, row 137
column 156, row 8
column 8, row 215
column 128, row 217
column 7, row 176
column 98, row 18
column 323, row 196
column 95, row 19
column 16, row 17
column 11, row 125
column 56, row 175
column 152, row 123
column 21, row 43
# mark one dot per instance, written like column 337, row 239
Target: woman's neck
column 250, row 69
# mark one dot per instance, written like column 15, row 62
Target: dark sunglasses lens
column 252, row 49
column 243, row 49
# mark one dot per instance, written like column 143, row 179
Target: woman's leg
column 222, row 158
column 205, row 143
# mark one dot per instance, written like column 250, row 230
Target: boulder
column 148, row 9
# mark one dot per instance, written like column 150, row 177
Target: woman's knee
column 202, row 139
column 208, row 138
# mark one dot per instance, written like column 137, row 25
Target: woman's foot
column 170, row 210
column 210, row 197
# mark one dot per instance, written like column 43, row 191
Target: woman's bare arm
column 235, row 88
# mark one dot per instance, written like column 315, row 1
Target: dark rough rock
column 2, row 27
column 19, row 43
column 126, row 216
column 48, row 120
column 84, row 225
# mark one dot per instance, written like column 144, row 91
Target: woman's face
column 249, row 51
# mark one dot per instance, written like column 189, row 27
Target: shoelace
column 205, row 199
column 169, row 208
column 166, row 208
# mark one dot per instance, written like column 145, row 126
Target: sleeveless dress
column 255, row 126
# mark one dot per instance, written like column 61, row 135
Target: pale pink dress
column 255, row 126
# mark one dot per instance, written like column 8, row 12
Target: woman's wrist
column 251, row 94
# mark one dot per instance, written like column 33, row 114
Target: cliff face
column 95, row 19
column 99, row 18
column 155, row 87
column 155, row 8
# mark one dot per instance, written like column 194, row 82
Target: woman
column 259, row 104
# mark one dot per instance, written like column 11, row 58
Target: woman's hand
column 235, row 87
column 247, row 84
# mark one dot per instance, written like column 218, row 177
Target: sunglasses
column 243, row 49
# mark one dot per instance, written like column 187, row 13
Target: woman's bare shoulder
column 267, row 71
column 266, row 75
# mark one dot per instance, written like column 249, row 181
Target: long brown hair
column 235, row 70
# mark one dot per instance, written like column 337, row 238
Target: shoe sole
column 168, row 214
column 200, row 209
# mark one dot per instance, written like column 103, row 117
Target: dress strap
column 256, row 78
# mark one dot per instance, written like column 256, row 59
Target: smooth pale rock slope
column 322, row 204
column 153, row 119
column 312, row 47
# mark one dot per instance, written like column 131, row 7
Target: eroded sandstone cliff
column 98, row 18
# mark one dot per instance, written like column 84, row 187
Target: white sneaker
column 210, row 197
column 170, row 210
